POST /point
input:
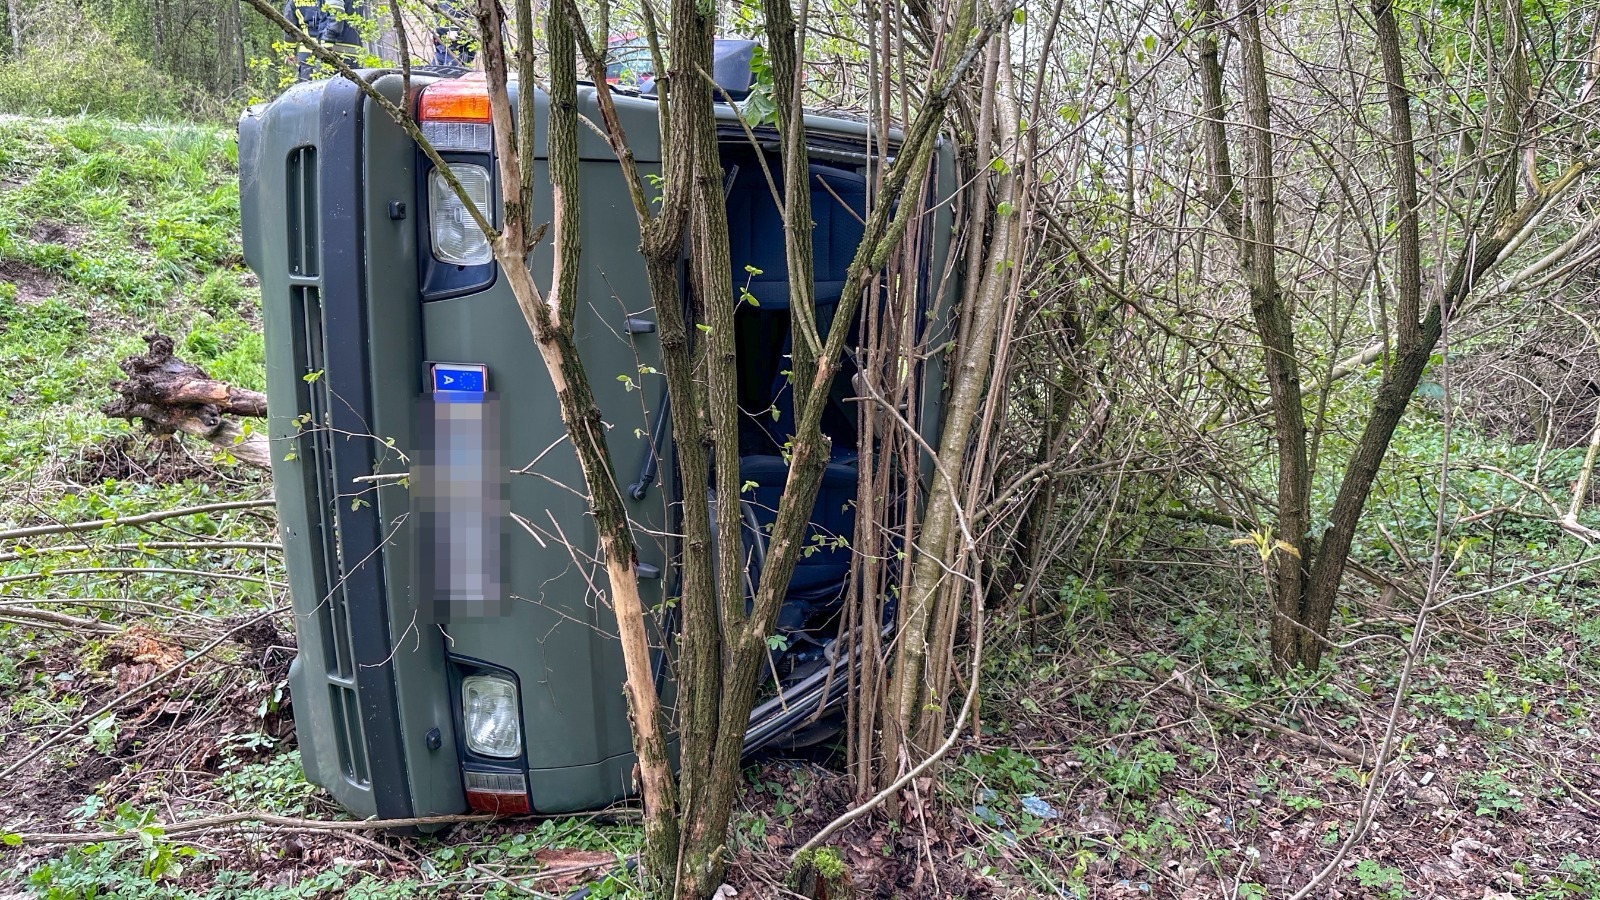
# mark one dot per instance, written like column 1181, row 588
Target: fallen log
column 170, row 395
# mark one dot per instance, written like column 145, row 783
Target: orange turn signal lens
column 464, row 99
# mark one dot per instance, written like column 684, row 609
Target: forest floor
column 1131, row 743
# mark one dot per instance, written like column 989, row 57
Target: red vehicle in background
column 628, row 62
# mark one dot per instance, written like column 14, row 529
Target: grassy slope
column 108, row 232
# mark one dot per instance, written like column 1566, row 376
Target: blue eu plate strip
column 460, row 380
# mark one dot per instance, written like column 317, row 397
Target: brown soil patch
column 33, row 284
column 920, row 859
column 169, row 739
column 270, row 647
column 47, row 232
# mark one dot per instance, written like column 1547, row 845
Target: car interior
column 765, row 342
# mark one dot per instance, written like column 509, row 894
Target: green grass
column 494, row 867
column 109, row 231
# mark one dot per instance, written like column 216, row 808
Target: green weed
column 276, row 785
column 1134, row 772
column 1387, row 881
column 1493, row 794
column 1577, row 878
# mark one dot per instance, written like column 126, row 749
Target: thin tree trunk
column 687, row 865
column 720, row 646
column 14, row 21
column 1480, row 255
column 743, row 639
column 920, row 612
column 550, row 319
column 718, row 737
column 1393, row 396
column 242, row 66
column 1275, row 327
column 1252, row 218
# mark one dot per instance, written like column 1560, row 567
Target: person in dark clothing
column 332, row 23
column 453, row 46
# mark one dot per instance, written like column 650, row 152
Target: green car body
column 356, row 307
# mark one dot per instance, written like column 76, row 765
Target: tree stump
column 170, row 395
column 822, row 875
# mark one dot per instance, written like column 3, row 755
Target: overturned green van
column 393, row 345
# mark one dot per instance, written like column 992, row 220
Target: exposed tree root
column 170, row 395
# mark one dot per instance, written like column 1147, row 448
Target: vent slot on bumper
column 313, row 400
